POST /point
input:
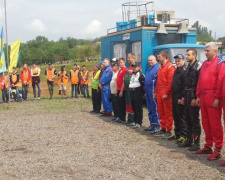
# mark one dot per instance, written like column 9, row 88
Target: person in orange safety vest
column 62, row 82
column 25, row 76
column 15, row 83
column 5, row 87
column 163, row 94
column 74, row 79
column 84, row 75
column 50, row 73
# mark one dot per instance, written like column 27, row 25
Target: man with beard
column 189, row 99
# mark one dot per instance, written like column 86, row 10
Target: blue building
column 148, row 34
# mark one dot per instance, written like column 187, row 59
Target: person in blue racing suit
column 105, row 86
column 150, row 84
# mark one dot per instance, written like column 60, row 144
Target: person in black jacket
column 136, row 87
column 189, row 99
column 177, row 94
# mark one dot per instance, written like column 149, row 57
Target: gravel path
column 59, row 139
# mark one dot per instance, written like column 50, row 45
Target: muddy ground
column 59, row 139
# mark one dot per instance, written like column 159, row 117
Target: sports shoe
column 155, row 130
column 161, row 132
column 104, row 115
column 167, row 135
column 132, row 124
column 34, row 98
column 109, row 115
column 93, row 111
column 172, row 137
column 114, row 118
column 195, row 147
column 214, row 156
column 150, row 128
column 222, row 163
column 39, row 98
column 137, row 126
column 118, row 120
column 180, row 140
column 205, row 150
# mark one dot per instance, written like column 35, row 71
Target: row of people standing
column 122, row 90
column 174, row 95
column 180, row 93
column 79, row 82
column 26, row 77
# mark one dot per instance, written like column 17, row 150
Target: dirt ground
column 59, row 139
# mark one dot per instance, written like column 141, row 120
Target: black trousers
column 121, row 104
column 192, row 120
column 114, row 105
column 179, row 117
column 137, row 102
column 192, row 115
column 96, row 100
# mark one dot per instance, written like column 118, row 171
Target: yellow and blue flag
column 14, row 54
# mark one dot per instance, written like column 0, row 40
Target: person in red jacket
column 209, row 93
column 163, row 94
column 223, row 104
column 25, row 76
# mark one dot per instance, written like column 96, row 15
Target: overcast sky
column 91, row 18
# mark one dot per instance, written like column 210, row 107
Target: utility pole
column 7, row 49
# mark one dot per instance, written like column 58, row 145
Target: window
column 120, row 50
column 136, row 49
column 169, row 38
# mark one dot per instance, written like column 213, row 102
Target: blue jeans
column 84, row 87
column 16, row 95
column 74, row 87
column 25, row 91
column 39, row 89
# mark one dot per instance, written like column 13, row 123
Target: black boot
column 196, row 145
column 187, row 143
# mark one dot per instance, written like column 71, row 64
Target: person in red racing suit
column 164, row 94
column 209, row 93
column 223, row 104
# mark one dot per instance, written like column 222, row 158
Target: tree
column 40, row 50
column 203, row 34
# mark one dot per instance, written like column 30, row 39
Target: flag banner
column 3, row 67
column 14, row 52
column 1, row 47
column 18, row 57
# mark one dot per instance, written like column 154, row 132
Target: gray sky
column 91, row 18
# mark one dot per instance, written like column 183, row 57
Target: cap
column 180, row 56
column 100, row 63
column 114, row 64
column 114, row 59
column 135, row 65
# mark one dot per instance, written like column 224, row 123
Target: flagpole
column 7, row 49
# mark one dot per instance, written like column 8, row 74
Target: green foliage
column 41, row 50
column 203, row 34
